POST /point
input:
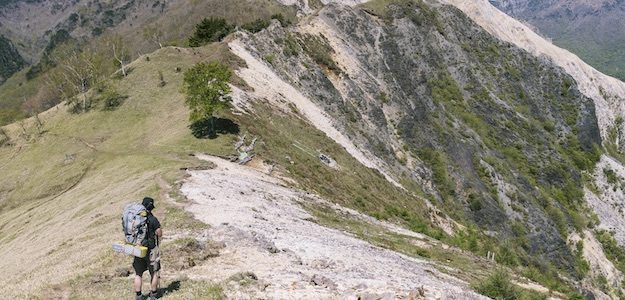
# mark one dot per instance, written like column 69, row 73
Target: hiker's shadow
column 170, row 288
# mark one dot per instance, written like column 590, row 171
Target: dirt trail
column 267, row 232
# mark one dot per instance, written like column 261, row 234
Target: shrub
column 581, row 265
column 498, row 286
column 110, row 98
column 437, row 161
column 507, row 256
column 291, row 46
column 283, row 21
column 319, row 50
column 610, row 175
column 475, row 203
column 256, row 26
column 612, row 250
column 210, row 30
column 445, row 89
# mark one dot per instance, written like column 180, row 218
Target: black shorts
column 143, row 264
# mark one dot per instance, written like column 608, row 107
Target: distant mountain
column 591, row 29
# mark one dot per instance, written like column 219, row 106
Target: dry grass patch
column 188, row 252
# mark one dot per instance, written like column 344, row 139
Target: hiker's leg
column 155, row 278
column 140, row 266
column 138, row 282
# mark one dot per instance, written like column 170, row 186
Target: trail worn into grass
column 268, row 233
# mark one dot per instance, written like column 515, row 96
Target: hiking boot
column 152, row 295
column 140, row 297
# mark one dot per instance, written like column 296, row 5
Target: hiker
column 152, row 261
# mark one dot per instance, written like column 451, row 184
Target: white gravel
column 267, row 232
column 609, row 205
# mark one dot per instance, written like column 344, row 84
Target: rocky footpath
column 275, row 249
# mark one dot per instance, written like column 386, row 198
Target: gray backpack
column 134, row 222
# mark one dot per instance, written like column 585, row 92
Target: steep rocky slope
column 435, row 101
column 374, row 89
column 607, row 92
column 591, row 29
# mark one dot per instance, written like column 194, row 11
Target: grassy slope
column 57, row 214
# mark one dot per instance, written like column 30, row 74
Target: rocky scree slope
column 493, row 135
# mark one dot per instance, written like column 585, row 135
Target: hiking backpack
column 135, row 223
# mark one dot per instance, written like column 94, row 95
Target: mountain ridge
column 433, row 123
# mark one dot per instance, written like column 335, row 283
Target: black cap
column 148, row 203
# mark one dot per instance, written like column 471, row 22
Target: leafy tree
column 206, row 87
column 210, row 30
column 77, row 70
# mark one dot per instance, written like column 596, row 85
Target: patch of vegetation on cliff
column 499, row 286
column 614, row 252
column 353, row 185
column 416, row 11
column 320, row 51
column 10, row 60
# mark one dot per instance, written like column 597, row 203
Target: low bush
column 500, row 287
column 110, row 98
column 210, row 30
column 320, row 52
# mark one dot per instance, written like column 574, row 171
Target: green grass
column 13, row 92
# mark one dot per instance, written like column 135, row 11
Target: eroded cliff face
column 487, row 132
column 607, row 92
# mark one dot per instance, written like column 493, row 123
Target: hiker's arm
column 159, row 233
